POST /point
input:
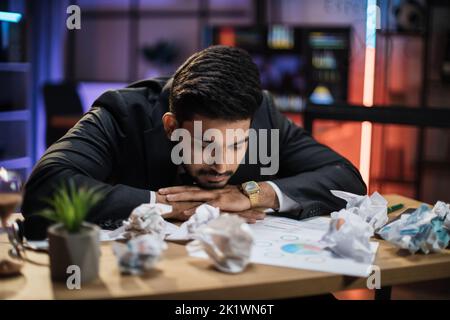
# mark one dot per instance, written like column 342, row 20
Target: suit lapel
column 160, row 168
column 161, row 171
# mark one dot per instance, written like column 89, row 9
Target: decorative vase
column 80, row 249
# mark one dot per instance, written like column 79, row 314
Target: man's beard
column 209, row 185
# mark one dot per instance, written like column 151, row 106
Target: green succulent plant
column 70, row 205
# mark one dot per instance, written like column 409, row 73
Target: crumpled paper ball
column 349, row 236
column 442, row 210
column 227, row 240
column 146, row 219
column 372, row 209
column 140, row 254
column 423, row 230
column 203, row 214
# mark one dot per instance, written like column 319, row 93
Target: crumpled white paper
column 140, row 254
column 372, row 209
column 144, row 219
column 425, row 229
column 227, row 240
column 442, row 210
column 351, row 228
column 203, row 214
column 349, row 236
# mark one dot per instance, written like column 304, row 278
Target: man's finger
column 252, row 214
column 246, row 216
column 192, row 196
column 181, row 189
column 213, row 203
column 189, row 212
column 260, row 215
column 177, row 189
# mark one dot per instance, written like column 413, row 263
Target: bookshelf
column 16, row 116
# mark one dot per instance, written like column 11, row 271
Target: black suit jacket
column 120, row 145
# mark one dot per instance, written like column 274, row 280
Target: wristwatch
column 251, row 189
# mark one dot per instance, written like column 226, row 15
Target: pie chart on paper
column 301, row 249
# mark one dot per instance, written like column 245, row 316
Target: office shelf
column 426, row 93
column 16, row 147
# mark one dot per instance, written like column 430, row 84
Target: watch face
column 251, row 186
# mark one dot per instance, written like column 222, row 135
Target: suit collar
column 161, row 171
column 160, row 168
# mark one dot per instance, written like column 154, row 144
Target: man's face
column 219, row 146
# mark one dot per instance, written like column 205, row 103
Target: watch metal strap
column 254, row 199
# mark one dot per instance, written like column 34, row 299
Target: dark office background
column 313, row 55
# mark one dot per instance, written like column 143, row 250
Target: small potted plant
column 72, row 241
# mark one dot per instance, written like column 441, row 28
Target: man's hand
column 251, row 216
column 229, row 199
column 179, row 208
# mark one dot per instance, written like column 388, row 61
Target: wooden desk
column 179, row 276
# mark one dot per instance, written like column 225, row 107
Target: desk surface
column 178, row 276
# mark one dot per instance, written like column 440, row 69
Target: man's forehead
column 230, row 139
column 219, row 124
column 210, row 126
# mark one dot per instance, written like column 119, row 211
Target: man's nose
column 220, row 167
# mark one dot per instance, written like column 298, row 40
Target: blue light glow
column 371, row 23
column 10, row 16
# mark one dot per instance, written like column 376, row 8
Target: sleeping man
column 208, row 134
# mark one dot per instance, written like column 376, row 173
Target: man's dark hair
column 219, row 82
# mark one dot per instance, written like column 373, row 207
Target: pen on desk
column 395, row 207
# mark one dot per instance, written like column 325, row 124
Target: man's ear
column 170, row 123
